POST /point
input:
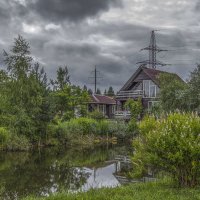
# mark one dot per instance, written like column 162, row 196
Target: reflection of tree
column 49, row 170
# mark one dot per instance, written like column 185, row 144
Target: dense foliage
column 170, row 144
column 78, row 130
column 135, row 107
column 175, row 94
column 28, row 102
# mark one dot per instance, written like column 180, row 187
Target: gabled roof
column 150, row 72
column 102, row 99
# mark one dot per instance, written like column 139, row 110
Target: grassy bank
column 140, row 191
column 77, row 131
column 87, row 131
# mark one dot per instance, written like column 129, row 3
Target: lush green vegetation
column 29, row 102
column 37, row 112
column 88, row 131
column 140, row 191
column 175, row 94
column 170, row 144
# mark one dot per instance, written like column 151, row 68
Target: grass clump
column 140, row 191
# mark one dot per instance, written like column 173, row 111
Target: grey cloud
column 74, row 49
column 112, row 43
column 73, row 10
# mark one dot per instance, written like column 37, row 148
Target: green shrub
column 132, row 128
column 96, row 115
column 76, row 128
column 4, row 135
column 135, row 108
column 17, row 143
column 88, row 126
column 103, row 128
column 171, row 144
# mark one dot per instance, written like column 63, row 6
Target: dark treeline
column 29, row 101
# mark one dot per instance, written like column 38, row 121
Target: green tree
column 111, row 92
column 173, row 93
column 135, row 107
column 62, row 78
column 98, row 91
column 85, row 88
column 90, row 92
column 193, row 92
column 68, row 99
column 26, row 92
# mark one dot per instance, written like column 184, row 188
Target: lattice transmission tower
column 153, row 50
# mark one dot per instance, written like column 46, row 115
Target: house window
column 150, row 88
column 146, row 88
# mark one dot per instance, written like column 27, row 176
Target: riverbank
column 140, row 191
column 79, row 131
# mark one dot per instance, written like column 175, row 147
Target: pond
column 50, row 170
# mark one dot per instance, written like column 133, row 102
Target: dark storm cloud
column 124, row 31
column 60, row 34
column 73, row 10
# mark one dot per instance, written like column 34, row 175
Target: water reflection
column 101, row 177
column 52, row 170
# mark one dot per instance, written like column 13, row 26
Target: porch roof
column 102, row 99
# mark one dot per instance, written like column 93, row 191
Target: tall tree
column 62, row 78
column 193, row 96
column 111, row 92
column 98, row 91
column 85, row 88
column 68, row 97
column 26, row 91
column 90, row 92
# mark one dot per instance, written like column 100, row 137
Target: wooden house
column 142, row 84
column 104, row 104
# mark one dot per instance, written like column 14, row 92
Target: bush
column 135, row 108
column 17, row 143
column 4, row 134
column 96, row 115
column 77, row 128
column 132, row 128
column 171, row 144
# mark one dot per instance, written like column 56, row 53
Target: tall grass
column 142, row 191
column 86, row 127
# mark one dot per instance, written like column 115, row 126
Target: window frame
column 150, row 84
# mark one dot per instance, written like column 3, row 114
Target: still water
column 46, row 171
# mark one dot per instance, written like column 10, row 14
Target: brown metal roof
column 154, row 73
column 151, row 73
column 102, row 99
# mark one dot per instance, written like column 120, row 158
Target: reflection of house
column 142, row 84
column 102, row 103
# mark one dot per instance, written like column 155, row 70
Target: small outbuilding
column 102, row 103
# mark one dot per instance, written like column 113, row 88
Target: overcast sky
column 105, row 33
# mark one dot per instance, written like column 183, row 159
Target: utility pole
column 95, row 78
column 153, row 50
